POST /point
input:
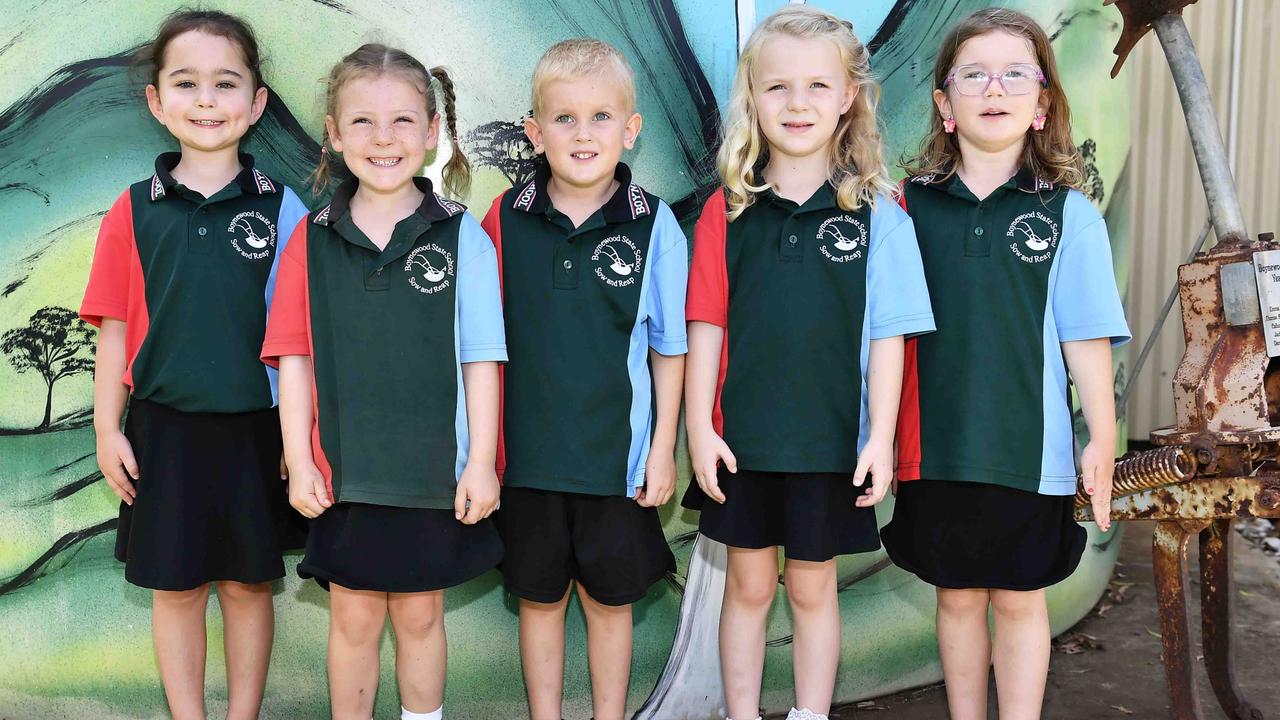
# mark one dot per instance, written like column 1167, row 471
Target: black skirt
column 975, row 535
column 394, row 549
column 813, row 516
column 210, row 503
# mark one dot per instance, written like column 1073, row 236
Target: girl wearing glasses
column 1019, row 269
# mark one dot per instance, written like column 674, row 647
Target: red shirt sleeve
column 492, row 225
column 288, row 322
column 907, row 443
column 114, row 256
column 708, row 297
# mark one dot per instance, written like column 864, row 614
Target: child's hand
column 659, row 480
column 307, row 491
column 477, row 494
column 706, row 451
column 118, row 466
column 1097, row 463
column 877, row 459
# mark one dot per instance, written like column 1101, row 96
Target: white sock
column 437, row 714
column 804, row 714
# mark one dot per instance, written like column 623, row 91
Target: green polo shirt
column 192, row 277
column 1013, row 276
column 584, row 305
column 801, row 290
column 387, row 332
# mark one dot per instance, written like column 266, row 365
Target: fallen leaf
column 1076, row 643
column 1153, row 633
column 1246, row 593
column 1124, row 710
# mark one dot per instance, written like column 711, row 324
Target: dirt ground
column 1108, row 665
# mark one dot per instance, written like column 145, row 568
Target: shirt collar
column 251, row 180
column 434, row 207
column 949, row 182
column 627, row 203
column 824, row 198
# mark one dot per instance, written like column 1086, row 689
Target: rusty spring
column 1145, row 470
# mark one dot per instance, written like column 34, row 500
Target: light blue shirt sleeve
column 291, row 212
column 897, row 296
column 481, row 336
column 668, row 281
column 1086, row 301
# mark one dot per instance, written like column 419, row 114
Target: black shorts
column 210, row 504
column 613, row 547
column 957, row 535
column 811, row 515
column 394, row 549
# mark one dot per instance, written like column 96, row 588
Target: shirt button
column 568, row 264
column 793, row 239
column 202, row 232
column 977, row 231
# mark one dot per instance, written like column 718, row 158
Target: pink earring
column 949, row 125
column 1037, row 123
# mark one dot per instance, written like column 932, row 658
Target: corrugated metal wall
column 1169, row 205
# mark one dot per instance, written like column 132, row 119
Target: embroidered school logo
column 1035, row 235
column 252, row 235
column 617, row 261
column 842, row 238
column 429, row 268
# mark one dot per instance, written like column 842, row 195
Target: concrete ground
column 1108, row 665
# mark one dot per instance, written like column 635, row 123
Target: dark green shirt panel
column 205, row 296
column 385, row 363
column 569, row 323
column 981, row 374
column 792, row 393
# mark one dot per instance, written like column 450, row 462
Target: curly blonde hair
column 1050, row 153
column 857, row 167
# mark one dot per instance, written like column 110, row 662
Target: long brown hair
column 1049, row 153
column 375, row 60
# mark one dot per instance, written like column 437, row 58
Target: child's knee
column 752, row 591
column 963, row 603
column 357, row 622
column 1017, row 605
column 420, row 620
column 811, row 593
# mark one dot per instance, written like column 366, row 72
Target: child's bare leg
column 1021, row 652
column 542, row 655
column 356, row 619
column 608, row 655
column 421, row 651
column 750, row 585
column 248, row 626
column 815, row 612
column 964, row 641
column 178, row 631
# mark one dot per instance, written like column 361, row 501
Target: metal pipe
column 1202, row 123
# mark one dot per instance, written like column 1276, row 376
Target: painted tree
column 502, row 145
column 51, row 344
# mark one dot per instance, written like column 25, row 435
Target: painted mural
column 74, row 637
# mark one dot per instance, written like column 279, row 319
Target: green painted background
column 74, row 637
